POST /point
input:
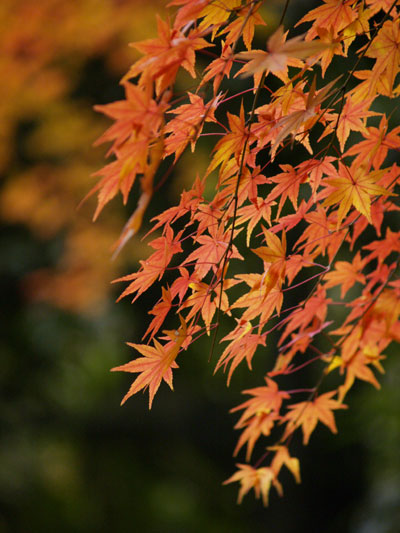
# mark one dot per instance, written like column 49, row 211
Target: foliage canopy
column 275, row 247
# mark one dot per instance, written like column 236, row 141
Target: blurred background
column 71, row 459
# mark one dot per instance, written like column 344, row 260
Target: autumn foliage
column 300, row 256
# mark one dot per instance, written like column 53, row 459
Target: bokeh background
column 71, row 459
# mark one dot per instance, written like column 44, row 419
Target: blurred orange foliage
column 47, row 129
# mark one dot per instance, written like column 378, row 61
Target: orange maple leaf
column 189, row 12
column 280, row 53
column 384, row 247
column 156, row 365
column 160, row 311
column 352, row 118
column 243, row 346
column 259, row 479
column 334, row 14
column 243, row 26
column 308, row 414
column 356, row 366
column 320, row 236
column 212, row 249
column 264, row 399
column 188, row 123
column 165, row 54
column 219, row 68
column 314, row 311
column 299, row 122
column 274, row 257
column 385, row 48
column 377, row 143
column 260, row 424
column 275, row 251
column 205, row 299
column 139, row 112
column 259, row 208
column 287, row 186
column 346, row 274
column 282, row 458
column 261, row 299
column 154, row 267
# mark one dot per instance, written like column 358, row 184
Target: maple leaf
column 334, row 47
column 274, row 257
column 219, row 68
column 182, row 283
column 188, row 203
column 384, row 247
column 353, row 186
column 232, row 143
column 260, row 424
column 320, row 234
column 346, row 274
column 258, row 209
column 248, row 184
column 351, row 118
column 313, row 311
column 212, row 249
column 308, row 414
column 280, row 53
column 120, row 175
column 264, row 399
column 282, row 458
column 189, row 12
column 375, row 83
column 259, row 479
column 288, row 183
column 377, row 143
column 154, row 267
column 160, row 311
column 288, row 222
column 356, row 366
column 262, row 299
column 360, row 26
column 385, row 48
column 155, row 365
column 165, row 54
column 243, row 347
column 386, row 311
column 216, row 13
column 187, row 125
column 156, row 154
column 377, row 5
column 316, row 168
column 275, row 251
column 300, row 121
column 139, row 112
column 334, row 14
column 243, row 26
column 206, row 299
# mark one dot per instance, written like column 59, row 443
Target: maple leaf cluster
column 316, row 229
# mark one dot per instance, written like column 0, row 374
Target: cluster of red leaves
column 297, row 217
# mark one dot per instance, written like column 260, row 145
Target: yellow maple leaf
column 354, row 186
